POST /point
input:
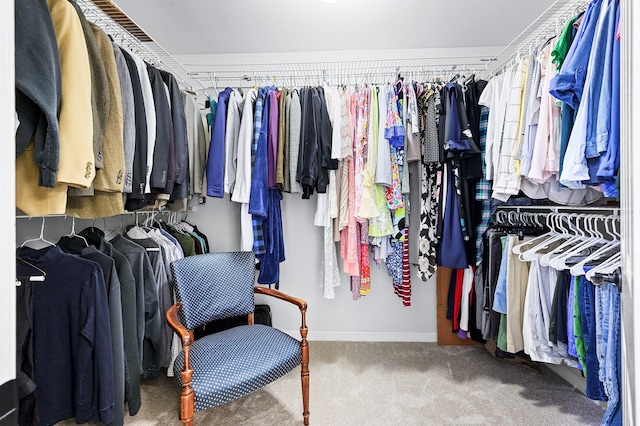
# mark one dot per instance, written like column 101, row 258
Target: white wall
column 7, row 207
column 377, row 316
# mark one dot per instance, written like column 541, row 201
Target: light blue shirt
column 599, row 93
column 500, row 295
column 610, row 160
column 568, row 84
column 575, row 168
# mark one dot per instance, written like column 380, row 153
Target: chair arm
column 302, row 305
column 186, row 336
column 283, row 296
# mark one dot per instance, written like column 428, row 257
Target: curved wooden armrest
column 293, row 300
column 280, row 295
column 174, row 322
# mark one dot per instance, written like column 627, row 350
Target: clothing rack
column 550, row 23
column 125, row 32
column 596, row 209
column 336, row 72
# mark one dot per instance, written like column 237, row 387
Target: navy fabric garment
column 563, row 285
column 273, row 240
column 586, row 304
column 164, row 138
column 215, row 158
column 258, row 200
column 71, row 332
column 451, row 251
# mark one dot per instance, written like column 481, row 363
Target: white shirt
column 242, row 188
column 232, row 134
column 506, row 182
column 490, row 98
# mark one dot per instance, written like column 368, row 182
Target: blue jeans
column 609, row 349
column 500, row 294
column 586, row 301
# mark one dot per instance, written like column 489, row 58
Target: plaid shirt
column 483, row 188
column 258, row 235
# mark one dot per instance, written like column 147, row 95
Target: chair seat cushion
column 233, row 363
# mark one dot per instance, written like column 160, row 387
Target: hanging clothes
column 75, row 337
column 216, row 157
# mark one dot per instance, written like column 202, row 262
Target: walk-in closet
column 445, row 192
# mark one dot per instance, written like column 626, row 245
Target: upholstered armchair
column 230, row 364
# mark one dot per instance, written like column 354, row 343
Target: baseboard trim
column 366, row 336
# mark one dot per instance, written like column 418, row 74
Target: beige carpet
column 366, row 384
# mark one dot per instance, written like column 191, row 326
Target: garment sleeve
column 77, row 166
column 102, row 352
column 151, row 344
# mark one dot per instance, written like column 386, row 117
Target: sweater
column 38, row 87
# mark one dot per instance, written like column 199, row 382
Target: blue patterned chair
column 225, row 366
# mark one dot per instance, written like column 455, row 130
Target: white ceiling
column 236, row 43
column 213, row 27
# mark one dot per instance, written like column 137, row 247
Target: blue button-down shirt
column 567, row 86
column 215, row 159
column 610, row 160
column 599, row 92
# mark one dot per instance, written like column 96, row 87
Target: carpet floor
column 388, row 384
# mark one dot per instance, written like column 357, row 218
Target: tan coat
column 76, row 166
column 109, row 182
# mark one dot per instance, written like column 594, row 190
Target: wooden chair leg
column 187, row 397
column 304, row 373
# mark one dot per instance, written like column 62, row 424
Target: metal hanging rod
column 373, row 71
column 127, row 33
column 550, row 23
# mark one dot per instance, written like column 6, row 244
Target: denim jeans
column 608, row 348
column 595, row 389
column 500, row 295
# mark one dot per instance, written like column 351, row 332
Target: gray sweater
column 38, row 86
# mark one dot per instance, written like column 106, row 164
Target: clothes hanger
column 38, row 278
column 595, row 238
column 73, row 232
column 614, row 244
column 113, row 232
column 607, row 267
column 527, row 251
column 578, row 236
column 40, row 238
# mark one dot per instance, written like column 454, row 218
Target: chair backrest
column 214, row 286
